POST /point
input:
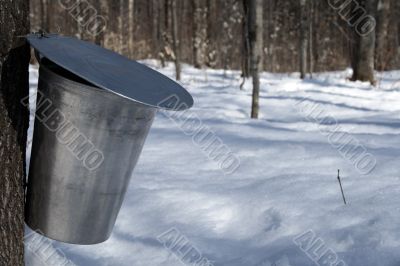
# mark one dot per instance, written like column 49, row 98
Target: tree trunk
column 79, row 30
column 121, row 28
column 255, row 36
column 363, row 61
column 175, row 39
column 270, row 47
column 131, row 10
column 211, row 58
column 99, row 37
column 382, row 34
column 161, row 32
column 246, row 43
column 155, row 29
column 199, row 32
column 303, row 39
column 43, row 14
column 310, row 40
column 49, row 15
column 14, row 120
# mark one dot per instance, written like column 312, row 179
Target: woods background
column 250, row 35
column 210, row 32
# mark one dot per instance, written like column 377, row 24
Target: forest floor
column 282, row 206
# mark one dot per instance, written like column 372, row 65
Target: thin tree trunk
column 155, row 28
column 363, row 65
column 121, row 30
column 259, row 44
column 255, row 36
column 211, row 46
column 98, row 38
column 397, row 37
column 49, row 14
column 175, row 39
column 14, row 120
column 161, row 31
column 78, row 22
column 131, row 11
column 42, row 14
column 382, row 34
column 200, row 14
column 303, row 39
column 246, row 43
column 310, row 39
column 269, row 33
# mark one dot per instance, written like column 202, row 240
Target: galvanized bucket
column 77, row 181
column 86, row 143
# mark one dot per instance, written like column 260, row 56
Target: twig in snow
column 341, row 188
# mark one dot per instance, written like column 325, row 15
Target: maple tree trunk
column 14, row 121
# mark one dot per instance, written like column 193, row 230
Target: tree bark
column 79, row 30
column 99, row 37
column 254, row 10
column 383, row 16
column 310, row 40
column 200, row 14
column 14, row 120
column 303, row 39
column 42, row 14
column 49, row 14
column 211, row 53
column 175, row 39
column 246, row 43
column 121, row 27
column 155, row 29
column 363, row 61
column 131, row 11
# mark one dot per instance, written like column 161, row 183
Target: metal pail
column 86, row 144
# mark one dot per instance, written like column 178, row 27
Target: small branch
column 341, row 188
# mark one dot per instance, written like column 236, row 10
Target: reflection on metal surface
column 68, row 201
column 109, row 70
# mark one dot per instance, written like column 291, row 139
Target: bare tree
column 310, row 39
column 121, row 27
column 99, row 36
column 211, row 59
column 364, row 50
column 303, row 38
column 155, row 25
column 131, row 31
column 14, row 60
column 246, row 44
column 383, row 16
column 175, row 39
column 210, row 32
column 43, row 5
column 200, row 11
column 254, row 11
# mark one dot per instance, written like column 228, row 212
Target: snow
column 284, row 188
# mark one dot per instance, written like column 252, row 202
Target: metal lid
column 112, row 72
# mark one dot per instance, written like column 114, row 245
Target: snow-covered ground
column 282, row 206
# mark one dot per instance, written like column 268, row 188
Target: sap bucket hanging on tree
column 94, row 111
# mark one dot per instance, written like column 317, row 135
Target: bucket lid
column 112, row 72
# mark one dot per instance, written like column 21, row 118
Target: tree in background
column 303, row 38
column 200, row 14
column 175, row 39
column 254, row 11
column 310, row 39
column 14, row 121
column 383, row 17
column 245, row 66
column 214, row 28
column 364, row 50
